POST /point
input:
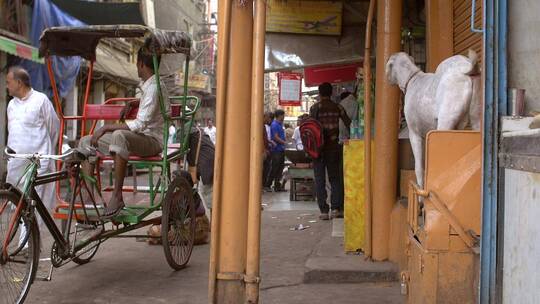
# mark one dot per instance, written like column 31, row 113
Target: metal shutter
column 464, row 38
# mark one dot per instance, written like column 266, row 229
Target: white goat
column 445, row 100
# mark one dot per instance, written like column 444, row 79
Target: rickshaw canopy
column 83, row 41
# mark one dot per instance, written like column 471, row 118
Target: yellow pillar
column 440, row 32
column 256, row 147
column 389, row 14
column 231, row 185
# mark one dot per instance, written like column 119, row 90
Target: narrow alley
column 130, row 271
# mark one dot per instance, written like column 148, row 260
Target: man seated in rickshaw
column 141, row 137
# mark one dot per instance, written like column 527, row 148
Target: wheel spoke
column 86, row 253
column 179, row 224
column 15, row 274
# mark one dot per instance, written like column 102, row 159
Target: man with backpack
column 330, row 152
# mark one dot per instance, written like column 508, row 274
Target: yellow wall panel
column 304, row 17
column 353, row 171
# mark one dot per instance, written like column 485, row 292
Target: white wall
column 521, row 279
column 524, row 49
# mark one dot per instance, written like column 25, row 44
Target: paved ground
column 127, row 271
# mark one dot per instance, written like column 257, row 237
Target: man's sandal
column 109, row 214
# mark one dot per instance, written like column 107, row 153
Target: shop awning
column 111, row 64
column 83, row 40
column 19, row 49
column 315, row 36
column 291, row 51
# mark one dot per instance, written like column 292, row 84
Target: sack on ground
column 202, row 232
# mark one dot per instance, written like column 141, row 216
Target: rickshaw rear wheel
column 178, row 223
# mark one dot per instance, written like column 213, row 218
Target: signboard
column 332, row 73
column 304, row 17
column 290, row 89
column 196, row 81
column 292, row 112
column 19, row 49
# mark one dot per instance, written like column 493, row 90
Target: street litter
column 299, row 227
column 313, row 221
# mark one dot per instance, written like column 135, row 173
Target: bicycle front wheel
column 19, row 259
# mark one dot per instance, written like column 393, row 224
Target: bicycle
column 20, row 234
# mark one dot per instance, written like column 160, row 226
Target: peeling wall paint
column 521, row 237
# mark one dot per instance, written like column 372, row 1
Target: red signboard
column 290, row 89
column 330, row 73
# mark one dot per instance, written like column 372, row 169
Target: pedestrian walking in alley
column 278, row 151
column 200, row 160
column 297, row 138
column 33, row 127
column 210, row 129
column 350, row 104
column 172, row 134
column 289, row 131
column 330, row 161
column 269, row 144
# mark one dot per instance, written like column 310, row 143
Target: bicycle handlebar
column 10, row 153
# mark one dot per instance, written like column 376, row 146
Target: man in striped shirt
column 328, row 113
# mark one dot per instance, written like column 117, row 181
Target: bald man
column 33, row 127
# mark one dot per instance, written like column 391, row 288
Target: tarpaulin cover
column 66, row 69
column 292, row 51
column 102, row 13
column 83, row 40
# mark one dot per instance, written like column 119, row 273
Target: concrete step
column 328, row 263
column 331, row 270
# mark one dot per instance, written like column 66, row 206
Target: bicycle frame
column 62, row 239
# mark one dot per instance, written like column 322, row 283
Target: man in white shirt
column 142, row 136
column 211, row 131
column 172, row 134
column 350, row 104
column 33, row 127
column 297, row 138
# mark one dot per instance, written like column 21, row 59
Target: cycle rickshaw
column 82, row 229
